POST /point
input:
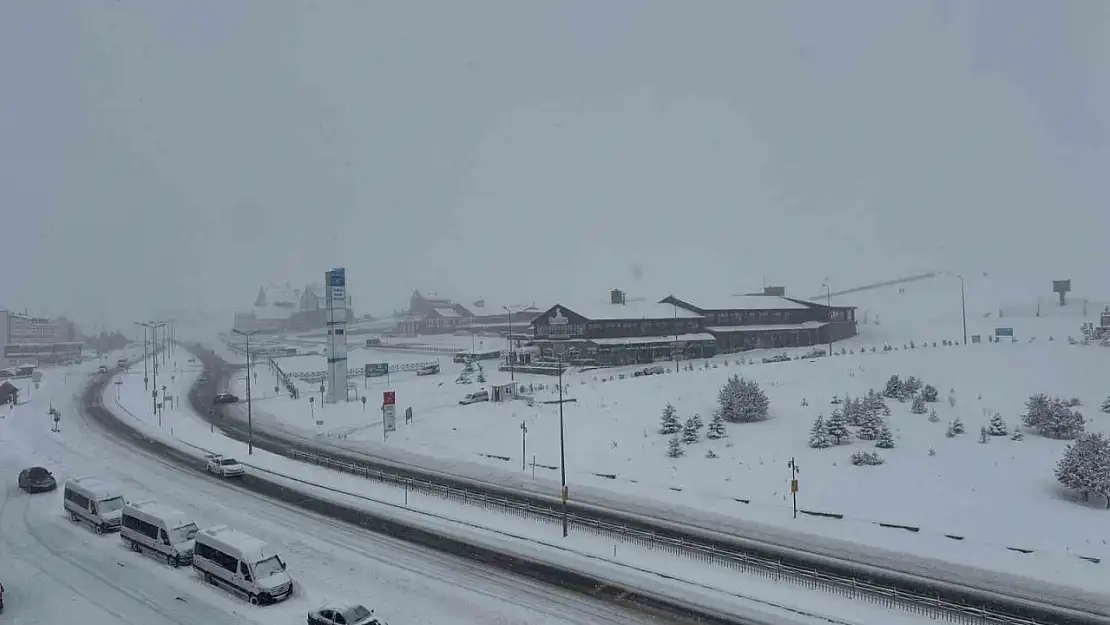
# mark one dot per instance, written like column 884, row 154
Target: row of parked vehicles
column 222, row 556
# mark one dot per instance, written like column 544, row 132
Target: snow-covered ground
column 997, row 495
column 705, row 584
column 53, row 570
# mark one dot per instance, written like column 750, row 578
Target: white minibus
column 90, row 500
column 152, row 527
column 241, row 563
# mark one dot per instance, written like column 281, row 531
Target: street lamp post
column 963, row 305
column 562, row 450
column 829, row 311
column 250, row 423
column 146, row 376
column 512, row 358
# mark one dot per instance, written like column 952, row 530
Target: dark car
column 343, row 615
column 225, row 398
column 37, row 480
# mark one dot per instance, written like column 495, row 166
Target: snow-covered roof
column 743, row 302
column 642, row 340
column 450, row 313
column 808, row 325
column 490, row 308
column 631, row 310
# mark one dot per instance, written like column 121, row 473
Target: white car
column 223, row 466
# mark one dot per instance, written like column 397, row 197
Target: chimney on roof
column 616, row 296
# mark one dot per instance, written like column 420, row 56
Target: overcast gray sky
column 178, row 154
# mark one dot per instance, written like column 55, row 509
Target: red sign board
column 389, row 398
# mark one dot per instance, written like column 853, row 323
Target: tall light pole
column 562, row 450
column 512, row 358
column 146, row 376
column 250, row 422
column 828, row 312
column 153, row 327
column 963, row 305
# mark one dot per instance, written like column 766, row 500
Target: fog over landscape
column 177, row 155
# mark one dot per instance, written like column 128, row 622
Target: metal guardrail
column 769, row 568
column 952, row 602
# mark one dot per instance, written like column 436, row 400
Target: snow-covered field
column 997, row 495
column 53, row 570
column 713, row 586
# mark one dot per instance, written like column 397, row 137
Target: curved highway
column 66, row 571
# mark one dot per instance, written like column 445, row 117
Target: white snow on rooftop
column 450, row 313
column 743, row 302
column 631, row 310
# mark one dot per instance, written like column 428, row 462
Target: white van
column 241, row 563
column 89, row 500
column 159, row 529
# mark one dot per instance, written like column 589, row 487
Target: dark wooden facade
column 618, row 334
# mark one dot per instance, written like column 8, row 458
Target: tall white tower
column 336, row 319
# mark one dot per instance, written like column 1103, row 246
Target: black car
column 37, row 480
column 225, row 398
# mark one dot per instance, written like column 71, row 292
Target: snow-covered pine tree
column 742, row 401
column 709, row 453
column 863, row 458
column 1106, row 405
column 1037, row 410
column 885, row 439
column 1017, row 435
column 819, row 434
column 668, row 423
column 957, row 426
column 984, row 436
column 950, row 432
column 837, row 427
column 997, row 426
column 696, row 418
column 1085, row 466
column 929, row 393
column 853, row 410
column 933, row 418
column 690, row 431
column 869, row 428
column 893, row 387
column 674, row 447
column 918, row 405
column 716, row 427
column 910, row 387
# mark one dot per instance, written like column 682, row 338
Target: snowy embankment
column 695, row 584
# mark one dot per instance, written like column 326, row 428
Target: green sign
column 375, row 369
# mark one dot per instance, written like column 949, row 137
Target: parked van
column 159, row 529
column 241, row 563
column 92, row 501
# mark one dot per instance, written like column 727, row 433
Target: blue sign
column 1004, row 332
column 375, row 369
column 337, row 277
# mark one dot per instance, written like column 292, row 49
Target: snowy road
column 53, row 570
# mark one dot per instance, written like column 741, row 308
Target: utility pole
column 523, row 446
column 963, row 305
column 250, row 422
column 564, row 494
column 828, row 306
column 794, row 484
column 146, row 356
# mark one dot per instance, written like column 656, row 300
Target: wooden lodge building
column 631, row 332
